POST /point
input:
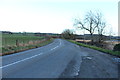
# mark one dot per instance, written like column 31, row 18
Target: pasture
column 13, row 39
column 12, row 43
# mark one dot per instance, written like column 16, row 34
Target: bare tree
column 91, row 22
column 88, row 24
column 100, row 25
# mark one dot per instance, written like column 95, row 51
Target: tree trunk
column 91, row 38
column 100, row 38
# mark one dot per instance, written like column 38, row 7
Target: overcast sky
column 52, row 16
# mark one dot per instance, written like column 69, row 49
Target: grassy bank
column 12, row 43
column 15, row 49
column 115, row 53
column 16, row 39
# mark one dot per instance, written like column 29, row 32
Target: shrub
column 116, row 47
column 68, row 34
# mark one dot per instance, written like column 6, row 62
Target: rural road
column 60, row 59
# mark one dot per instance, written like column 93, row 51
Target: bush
column 68, row 34
column 116, row 47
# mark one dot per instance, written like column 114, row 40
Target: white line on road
column 27, row 58
column 54, row 47
column 60, row 42
column 21, row 60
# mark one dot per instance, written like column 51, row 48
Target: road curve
column 45, row 62
column 59, row 59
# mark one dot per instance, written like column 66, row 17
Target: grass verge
column 115, row 53
column 15, row 49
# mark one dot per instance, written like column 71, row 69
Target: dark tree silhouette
column 91, row 22
column 68, row 34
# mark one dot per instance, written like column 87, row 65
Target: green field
column 12, row 43
column 11, row 39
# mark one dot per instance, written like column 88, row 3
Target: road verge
column 15, row 49
column 114, row 53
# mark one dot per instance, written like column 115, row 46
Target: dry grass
column 24, row 46
column 110, row 44
column 111, row 52
column 82, row 40
column 29, row 43
column 107, row 44
column 113, row 42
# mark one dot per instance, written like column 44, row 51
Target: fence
column 16, row 40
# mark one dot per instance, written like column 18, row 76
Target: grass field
column 12, row 43
column 12, row 39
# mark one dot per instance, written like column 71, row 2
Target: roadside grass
column 12, row 39
column 115, row 53
column 15, row 49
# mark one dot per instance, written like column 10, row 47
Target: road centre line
column 20, row 60
column 27, row 58
column 54, row 47
column 60, row 42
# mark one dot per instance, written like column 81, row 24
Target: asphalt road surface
column 60, row 59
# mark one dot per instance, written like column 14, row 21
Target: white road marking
column 54, row 47
column 21, row 60
column 27, row 58
column 60, row 42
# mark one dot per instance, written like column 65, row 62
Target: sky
column 53, row 16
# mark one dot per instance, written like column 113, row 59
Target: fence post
column 17, row 44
